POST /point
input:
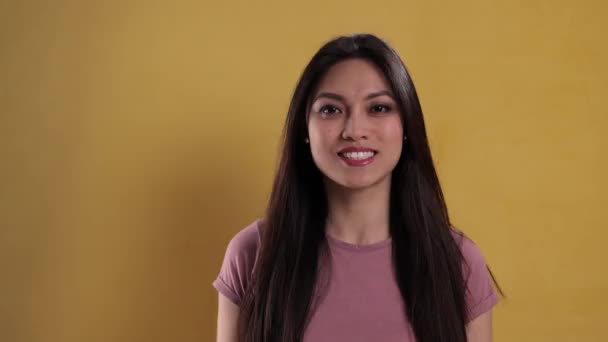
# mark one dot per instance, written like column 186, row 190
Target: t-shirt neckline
column 358, row 248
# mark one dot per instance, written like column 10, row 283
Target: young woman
column 356, row 243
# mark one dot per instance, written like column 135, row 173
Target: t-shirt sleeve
column 237, row 267
column 480, row 294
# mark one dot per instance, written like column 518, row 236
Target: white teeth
column 358, row 155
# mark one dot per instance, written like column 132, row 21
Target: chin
column 358, row 183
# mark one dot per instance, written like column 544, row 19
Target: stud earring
column 306, row 140
column 404, row 137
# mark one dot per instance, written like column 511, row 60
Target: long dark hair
column 427, row 259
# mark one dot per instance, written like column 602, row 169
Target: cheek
column 315, row 136
column 321, row 135
column 392, row 134
column 392, row 130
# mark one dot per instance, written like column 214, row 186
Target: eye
column 328, row 110
column 380, row 109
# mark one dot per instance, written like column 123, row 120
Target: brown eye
column 329, row 110
column 380, row 109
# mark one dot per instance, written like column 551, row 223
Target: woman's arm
column 480, row 329
column 227, row 316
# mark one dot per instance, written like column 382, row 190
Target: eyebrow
column 341, row 98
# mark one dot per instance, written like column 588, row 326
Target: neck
column 359, row 216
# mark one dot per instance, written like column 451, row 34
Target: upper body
column 359, row 300
column 355, row 178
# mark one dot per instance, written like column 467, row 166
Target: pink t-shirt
column 362, row 301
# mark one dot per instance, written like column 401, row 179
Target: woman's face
column 354, row 125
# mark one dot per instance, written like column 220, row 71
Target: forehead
column 353, row 77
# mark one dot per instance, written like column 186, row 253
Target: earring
column 404, row 137
column 306, row 140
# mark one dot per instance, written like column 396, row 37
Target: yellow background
column 138, row 136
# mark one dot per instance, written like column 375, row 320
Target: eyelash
column 323, row 108
column 386, row 108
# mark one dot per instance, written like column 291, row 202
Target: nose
column 355, row 126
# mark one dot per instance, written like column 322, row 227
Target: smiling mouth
column 358, row 155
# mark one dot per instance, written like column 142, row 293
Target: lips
column 357, row 156
column 356, row 149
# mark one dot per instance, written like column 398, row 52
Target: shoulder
column 471, row 253
column 239, row 262
column 480, row 294
column 246, row 242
